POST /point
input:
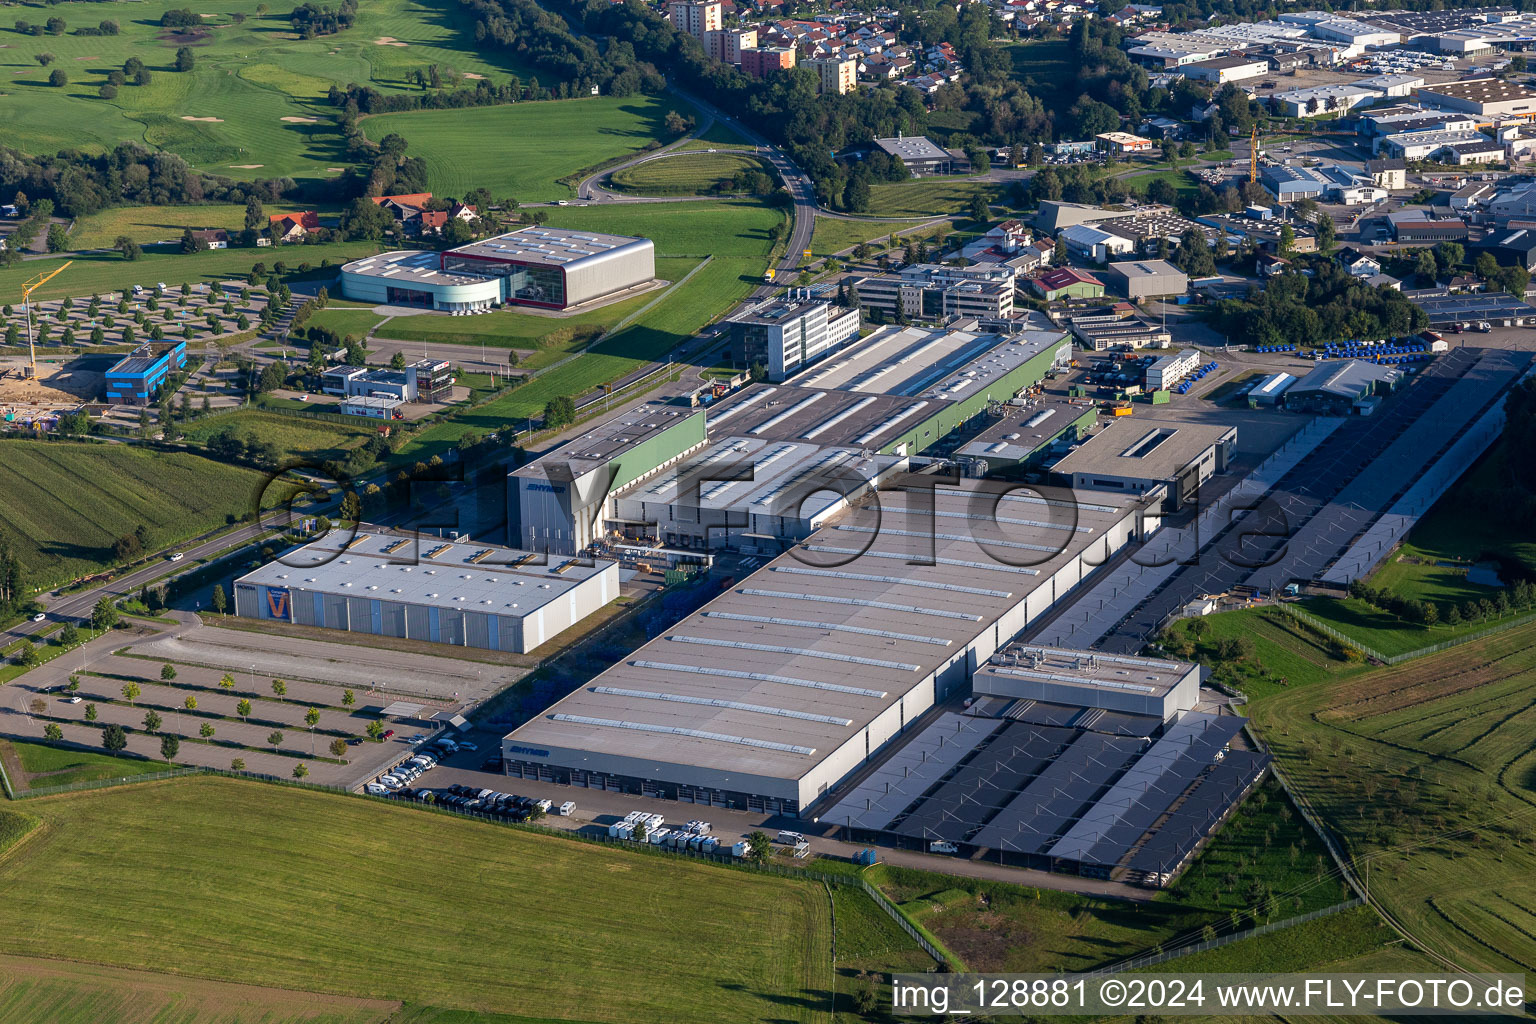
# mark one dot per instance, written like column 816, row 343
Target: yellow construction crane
column 26, row 302
column 1253, row 154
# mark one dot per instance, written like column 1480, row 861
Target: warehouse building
column 136, row 379
column 1415, row 226
column 788, row 334
column 1485, row 97
column 1338, row 388
column 557, row 268
column 1221, row 70
column 560, row 498
column 1068, row 283
column 1426, row 145
column 468, row 595
column 1147, row 279
column 1028, row 432
column 785, row 684
column 1091, row 679
column 1271, row 390
column 552, row 268
column 1498, row 308
column 1166, row 462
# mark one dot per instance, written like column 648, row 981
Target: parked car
column 72, row 699
column 466, row 745
column 389, row 733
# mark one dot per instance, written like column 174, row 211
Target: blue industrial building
column 135, row 379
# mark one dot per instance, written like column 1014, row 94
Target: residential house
column 214, row 238
column 1357, row 263
column 294, row 227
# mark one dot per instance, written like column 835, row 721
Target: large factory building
column 468, row 595
column 550, row 268
column 787, row 683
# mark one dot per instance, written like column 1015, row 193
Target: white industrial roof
column 424, row 571
column 786, row 666
column 937, row 364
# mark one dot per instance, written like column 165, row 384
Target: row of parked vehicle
column 417, row 765
column 510, row 806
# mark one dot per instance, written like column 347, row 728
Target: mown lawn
column 66, row 503
column 833, row 234
column 235, row 880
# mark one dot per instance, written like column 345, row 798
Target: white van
column 943, row 847
column 790, row 838
column 568, row 808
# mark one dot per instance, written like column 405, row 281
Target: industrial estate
column 1016, row 487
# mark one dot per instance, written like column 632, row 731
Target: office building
column 1163, row 462
column 1485, row 97
column 919, row 154
column 788, row 334
column 136, row 379
column 932, row 291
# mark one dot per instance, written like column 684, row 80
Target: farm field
column 928, row 197
column 294, row 437
column 268, row 851
column 689, row 174
column 1425, row 770
column 563, row 136
column 145, row 224
column 99, row 273
column 1383, row 631
column 227, row 115
column 67, row 502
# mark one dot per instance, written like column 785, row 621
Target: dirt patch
column 300, row 120
column 246, row 167
column 337, row 170
column 92, row 57
column 388, row 41
column 471, row 74
column 189, row 117
column 57, row 388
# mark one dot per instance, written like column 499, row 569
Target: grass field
column 735, row 231
column 344, row 321
column 47, row 765
column 66, row 503
column 510, row 329
column 146, row 224
column 928, row 197
column 1284, row 654
column 691, row 174
column 248, row 78
column 1426, row 771
column 226, row 876
column 101, row 273
column 564, row 136
column 832, row 234
column 314, row 440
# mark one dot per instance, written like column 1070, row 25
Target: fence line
column 1397, row 659
column 1136, row 963
column 906, row 924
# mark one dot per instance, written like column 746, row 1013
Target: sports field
column 1425, row 770
column 688, row 174
column 552, row 139
column 65, row 503
column 240, row 882
column 228, row 114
